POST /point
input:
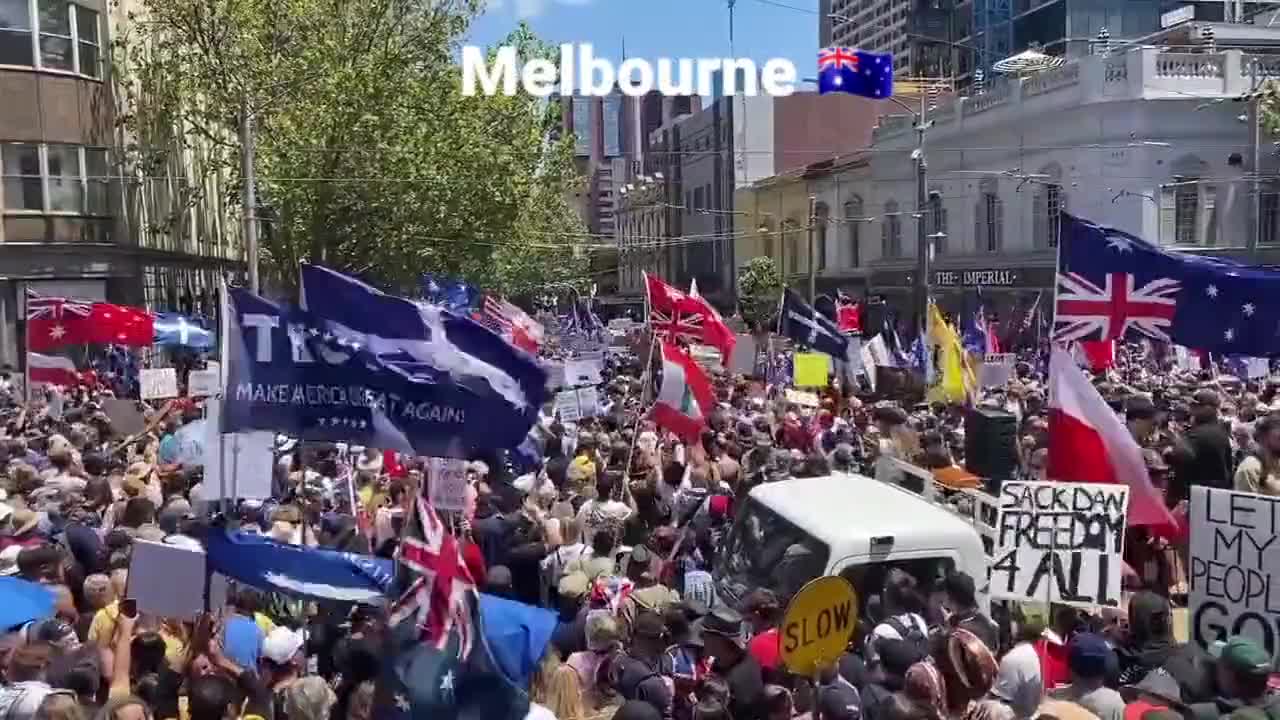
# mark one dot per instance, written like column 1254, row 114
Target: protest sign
column 573, row 405
column 448, row 484
column 159, row 383
column 1060, row 542
column 997, row 368
column 1235, row 567
column 803, row 399
column 167, row 581
column 743, row 359
column 203, row 383
column 124, row 414
column 811, row 369
column 236, row 465
column 583, row 371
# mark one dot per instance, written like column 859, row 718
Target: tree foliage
column 369, row 158
column 759, row 290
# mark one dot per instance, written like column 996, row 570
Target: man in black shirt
column 1203, row 456
column 722, row 635
column 640, row 676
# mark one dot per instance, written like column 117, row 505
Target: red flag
column 1100, row 354
column 674, row 315
column 121, row 325
column 54, row 321
column 1089, row 443
column 849, row 318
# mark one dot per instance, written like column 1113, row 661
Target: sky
column 653, row 29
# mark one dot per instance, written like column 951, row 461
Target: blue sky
column 663, row 28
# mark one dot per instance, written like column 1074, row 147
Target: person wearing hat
column 888, row 676
column 1203, row 455
column 1140, row 417
column 283, row 661
column 639, row 672
column 1156, row 691
column 647, row 595
column 1243, row 669
column 962, row 602
column 724, row 640
column 1088, row 657
column 1259, row 472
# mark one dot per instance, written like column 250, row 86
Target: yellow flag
column 956, row 377
column 811, row 369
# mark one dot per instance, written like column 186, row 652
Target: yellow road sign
column 818, row 624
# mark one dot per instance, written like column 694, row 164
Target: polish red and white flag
column 1088, row 442
column 52, row 370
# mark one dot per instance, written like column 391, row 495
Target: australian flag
column 440, row 664
column 807, row 326
column 451, row 293
column 857, row 72
column 1112, row 284
column 356, row 365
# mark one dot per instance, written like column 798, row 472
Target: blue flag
column 856, row 72
column 24, row 602
column 1112, row 284
column 299, row 571
column 175, row 330
column 376, row 370
column 451, row 293
column 807, row 326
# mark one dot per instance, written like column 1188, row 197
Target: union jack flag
column 1089, row 311
column 675, row 325
column 838, row 58
column 40, row 307
column 440, row 596
column 510, row 321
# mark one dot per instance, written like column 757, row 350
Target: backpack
column 1253, row 712
column 910, row 632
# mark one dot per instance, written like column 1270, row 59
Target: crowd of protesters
column 618, row 530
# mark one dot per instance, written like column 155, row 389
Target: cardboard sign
column 125, row 417
column 818, row 624
column 996, row 369
column 167, row 580
column 573, row 405
column 159, row 383
column 1235, row 567
column 204, row 383
column 448, row 484
column 803, row 399
column 743, row 359
column 1060, row 542
column 555, row 375
column 236, row 465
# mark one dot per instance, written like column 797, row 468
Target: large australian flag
column 807, row 326
column 856, row 72
column 1113, row 285
column 354, row 364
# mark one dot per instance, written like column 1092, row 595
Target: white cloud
column 530, row 8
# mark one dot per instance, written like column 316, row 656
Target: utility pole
column 813, row 261
column 1255, row 140
column 924, row 249
column 249, row 195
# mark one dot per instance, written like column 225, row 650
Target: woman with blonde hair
column 564, row 695
column 60, row 705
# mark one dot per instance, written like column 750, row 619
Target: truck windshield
column 764, row 550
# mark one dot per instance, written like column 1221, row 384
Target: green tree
column 369, row 158
column 759, row 291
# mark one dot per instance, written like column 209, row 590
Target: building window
column 66, row 36
column 23, row 188
column 15, row 33
column 1186, row 214
column 1047, row 217
column 988, row 229
column 55, row 179
column 1270, row 217
column 936, row 224
column 853, row 223
column 891, row 231
column 792, row 247
column 698, row 199
column 766, row 237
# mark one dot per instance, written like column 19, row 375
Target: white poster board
column 802, row 398
column 997, row 369
column 167, row 580
column 204, row 383
column 1235, row 566
column 159, row 383
column 743, row 359
column 245, row 466
column 573, row 405
column 448, row 484
column 583, row 372
column 1060, row 542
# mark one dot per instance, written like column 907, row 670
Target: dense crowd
column 619, row 529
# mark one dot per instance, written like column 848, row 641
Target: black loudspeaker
column 991, row 443
column 873, row 317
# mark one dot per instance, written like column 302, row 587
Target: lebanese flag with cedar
column 686, row 397
column 121, row 325
column 52, row 370
column 1089, row 443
